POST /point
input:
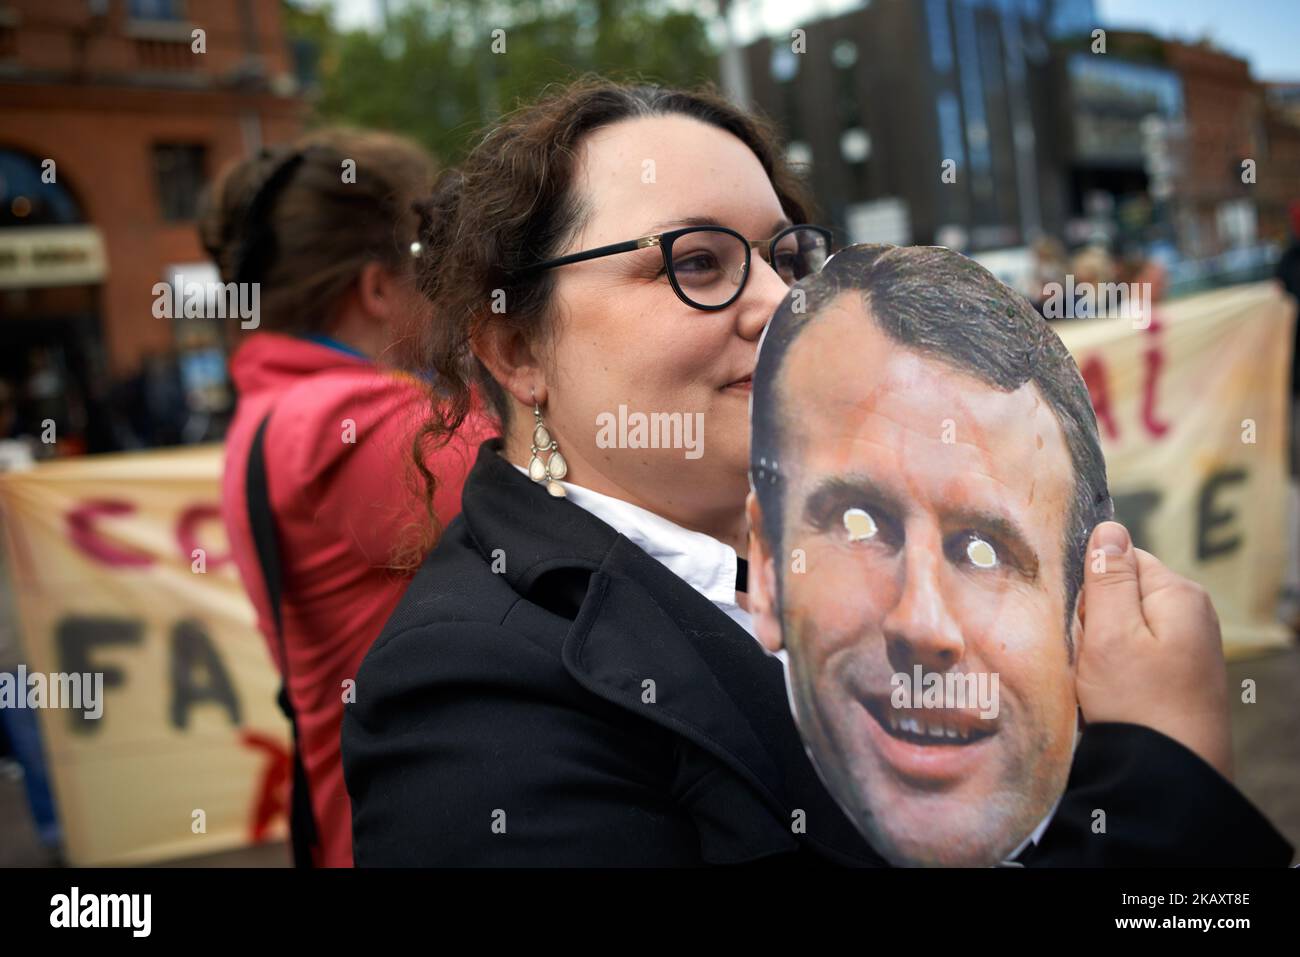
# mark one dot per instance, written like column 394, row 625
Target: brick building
column 113, row 115
column 1225, row 127
column 1279, row 165
column 1223, row 118
column 1138, row 141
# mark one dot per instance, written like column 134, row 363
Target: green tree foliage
column 432, row 73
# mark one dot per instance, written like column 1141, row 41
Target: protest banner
column 1193, row 411
column 120, row 567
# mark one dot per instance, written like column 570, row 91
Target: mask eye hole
column 981, row 553
column 859, row 524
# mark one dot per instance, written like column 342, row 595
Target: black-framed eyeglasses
column 708, row 266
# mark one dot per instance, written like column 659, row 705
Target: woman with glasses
column 572, row 677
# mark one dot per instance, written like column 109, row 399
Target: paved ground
column 19, row 847
column 1266, row 735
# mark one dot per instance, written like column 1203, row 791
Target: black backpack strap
column 302, row 822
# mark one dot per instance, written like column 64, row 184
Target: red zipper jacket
column 347, row 501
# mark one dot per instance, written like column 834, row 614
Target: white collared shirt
column 703, row 562
column 1036, row 836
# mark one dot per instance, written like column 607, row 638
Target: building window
column 940, row 36
column 784, row 64
column 972, row 93
column 156, row 9
column 8, row 31
column 950, row 140
column 180, row 171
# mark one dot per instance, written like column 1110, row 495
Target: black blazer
column 505, row 716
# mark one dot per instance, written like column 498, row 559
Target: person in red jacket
column 333, row 255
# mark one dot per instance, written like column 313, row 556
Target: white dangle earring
column 550, row 470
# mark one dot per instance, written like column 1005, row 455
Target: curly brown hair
column 512, row 204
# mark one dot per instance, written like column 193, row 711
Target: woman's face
column 647, row 396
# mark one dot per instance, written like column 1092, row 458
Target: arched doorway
column 52, row 264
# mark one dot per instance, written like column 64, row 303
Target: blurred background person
column 16, row 448
column 21, row 758
column 1050, row 264
column 1288, row 272
column 1288, row 267
column 333, row 254
column 149, row 405
column 1092, row 266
